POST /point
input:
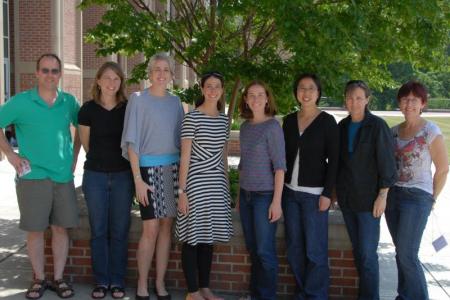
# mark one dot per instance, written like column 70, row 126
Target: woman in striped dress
column 204, row 213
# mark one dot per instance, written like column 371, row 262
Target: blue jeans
column 406, row 216
column 108, row 198
column 307, row 243
column 259, row 236
column 364, row 232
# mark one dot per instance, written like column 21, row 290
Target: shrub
column 439, row 103
column 233, row 175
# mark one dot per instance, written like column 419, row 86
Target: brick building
column 30, row 28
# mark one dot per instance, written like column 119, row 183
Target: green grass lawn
column 443, row 123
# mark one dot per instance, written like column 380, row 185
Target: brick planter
column 231, row 264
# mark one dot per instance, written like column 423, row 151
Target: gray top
column 152, row 124
column 262, row 153
column 414, row 158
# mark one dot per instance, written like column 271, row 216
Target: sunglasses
column 53, row 71
column 359, row 83
column 215, row 74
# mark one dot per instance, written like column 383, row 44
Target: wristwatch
column 181, row 191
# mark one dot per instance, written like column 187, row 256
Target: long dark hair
column 206, row 76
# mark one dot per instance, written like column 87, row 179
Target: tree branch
column 189, row 62
column 194, row 9
column 233, row 99
column 140, row 4
column 185, row 15
column 212, row 27
column 264, row 35
column 246, row 33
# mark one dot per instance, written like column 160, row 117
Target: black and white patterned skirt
column 163, row 200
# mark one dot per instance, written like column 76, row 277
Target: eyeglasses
column 413, row 100
column 53, row 71
column 305, row 89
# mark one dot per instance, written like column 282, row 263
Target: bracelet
column 137, row 177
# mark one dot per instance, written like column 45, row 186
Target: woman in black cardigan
column 312, row 146
column 366, row 171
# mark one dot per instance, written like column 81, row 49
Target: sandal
column 38, row 287
column 116, row 290
column 99, row 289
column 61, row 287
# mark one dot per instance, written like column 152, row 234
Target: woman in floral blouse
column 418, row 144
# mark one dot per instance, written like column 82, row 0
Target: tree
column 273, row 40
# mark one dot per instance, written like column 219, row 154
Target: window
column 6, row 63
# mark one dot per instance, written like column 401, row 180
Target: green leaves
column 274, row 40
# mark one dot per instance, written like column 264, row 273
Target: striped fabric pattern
column 209, row 218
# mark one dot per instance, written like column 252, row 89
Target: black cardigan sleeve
column 290, row 131
column 387, row 173
column 332, row 153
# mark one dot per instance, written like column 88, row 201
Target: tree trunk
column 233, row 99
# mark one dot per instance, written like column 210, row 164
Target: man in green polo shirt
column 45, row 190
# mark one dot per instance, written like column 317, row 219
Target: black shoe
column 142, row 297
column 165, row 297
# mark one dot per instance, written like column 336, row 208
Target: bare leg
column 35, row 247
column 162, row 254
column 144, row 253
column 60, row 248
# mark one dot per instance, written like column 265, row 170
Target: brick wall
column 72, row 84
column 35, row 24
column 131, row 62
column 231, row 263
column 71, row 33
column 87, row 85
column 233, row 144
column 12, row 55
column 91, row 62
column 27, row 81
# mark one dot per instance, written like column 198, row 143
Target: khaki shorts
column 43, row 202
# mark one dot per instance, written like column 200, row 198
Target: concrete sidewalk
column 15, row 270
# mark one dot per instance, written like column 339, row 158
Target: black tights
column 196, row 262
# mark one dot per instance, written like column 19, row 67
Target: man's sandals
column 62, row 288
column 36, row 289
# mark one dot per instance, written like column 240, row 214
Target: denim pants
column 406, row 216
column 260, row 241
column 307, row 243
column 108, row 198
column 364, row 232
